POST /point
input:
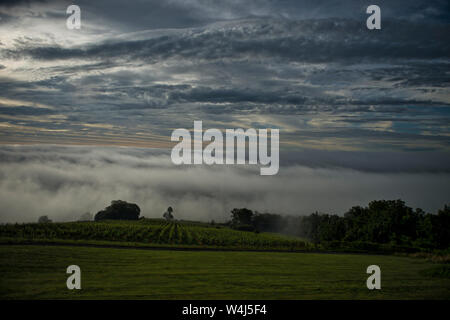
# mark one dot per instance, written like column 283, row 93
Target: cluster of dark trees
column 122, row 210
column 383, row 221
column 44, row 219
column 119, row 210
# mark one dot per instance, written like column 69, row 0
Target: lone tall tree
column 168, row 214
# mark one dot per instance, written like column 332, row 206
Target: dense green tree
column 441, row 228
column 241, row 216
column 44, row 219
column 119, row 210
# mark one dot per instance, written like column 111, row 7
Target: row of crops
column 151, row 231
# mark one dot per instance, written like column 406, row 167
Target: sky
column 86, row 115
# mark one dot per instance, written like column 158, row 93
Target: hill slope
column 154, row 232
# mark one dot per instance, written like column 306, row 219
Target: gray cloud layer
column 65, row 182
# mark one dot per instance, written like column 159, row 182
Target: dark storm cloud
column 205, row 94
column 328, row 40
column 381, row 162
column 13, row 3
column 5, row 18
column 139, row 15
column 414, row 73
column 269, row 101
column 24, row 110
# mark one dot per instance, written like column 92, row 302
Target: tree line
column 382, row 222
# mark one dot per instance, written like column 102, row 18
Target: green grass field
column 33, row 269
column 39, row 272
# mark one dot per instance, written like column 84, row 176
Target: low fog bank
column 65, row 182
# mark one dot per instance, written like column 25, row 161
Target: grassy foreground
column 39, row 272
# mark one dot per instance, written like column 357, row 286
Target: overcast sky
column 345, row 98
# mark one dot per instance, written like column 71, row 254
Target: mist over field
column 65, row 182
